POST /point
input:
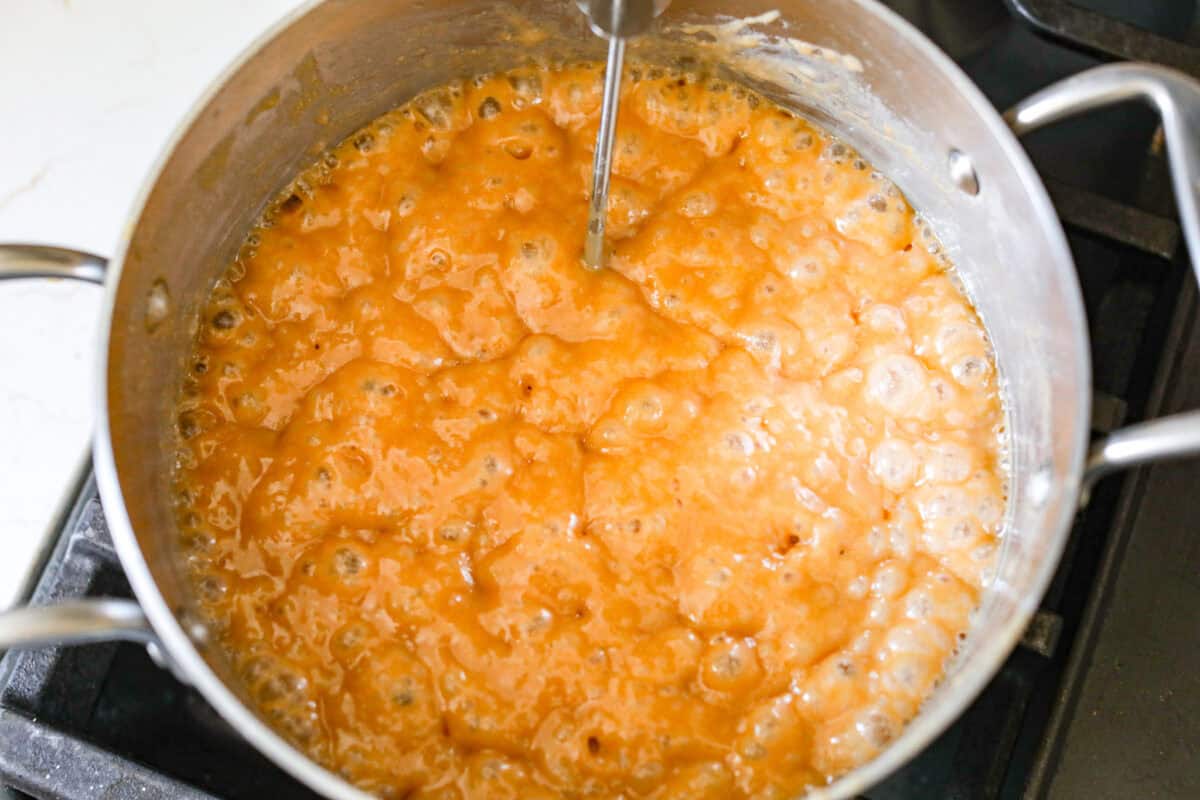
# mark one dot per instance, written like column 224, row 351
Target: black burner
column 1103, row 698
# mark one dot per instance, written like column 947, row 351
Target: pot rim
column 985, row 660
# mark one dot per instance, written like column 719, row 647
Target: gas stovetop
column 1102, row 699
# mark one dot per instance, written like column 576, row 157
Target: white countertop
column 89, row 92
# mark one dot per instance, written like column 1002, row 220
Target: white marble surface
column 89, row 92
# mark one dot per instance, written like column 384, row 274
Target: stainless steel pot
column 875, row 81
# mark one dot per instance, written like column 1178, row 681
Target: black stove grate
column 102, row 721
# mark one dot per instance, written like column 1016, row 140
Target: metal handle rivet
column 962, row 172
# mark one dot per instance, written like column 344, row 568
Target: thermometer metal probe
column 614, row 20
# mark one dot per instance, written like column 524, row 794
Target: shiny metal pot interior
column 874, row 81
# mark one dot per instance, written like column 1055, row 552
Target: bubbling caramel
column 472, row 521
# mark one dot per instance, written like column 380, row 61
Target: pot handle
column 1176, row 97
column 80, row 621
column 75, row 622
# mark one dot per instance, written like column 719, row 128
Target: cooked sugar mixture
column 472, row 521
